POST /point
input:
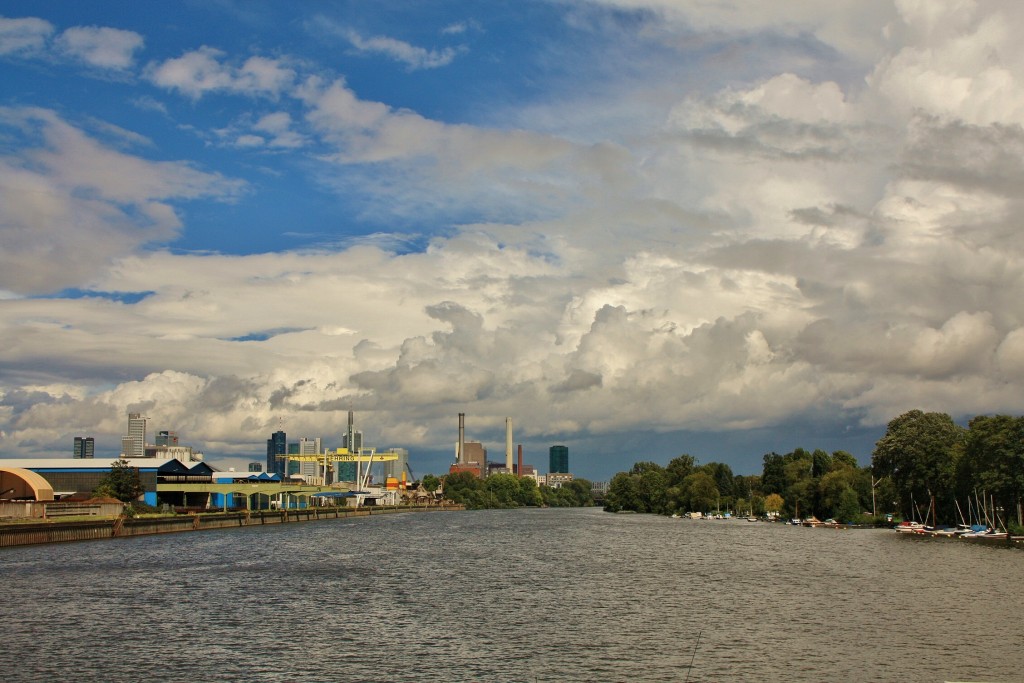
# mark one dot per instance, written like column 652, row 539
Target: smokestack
column 520, row 471
column 508, row 444
column 461, row 452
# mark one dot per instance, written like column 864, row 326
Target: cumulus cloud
column 793, row 245
column 102, row 47
column 70, row 204
column 24, row 36
column 201, row 71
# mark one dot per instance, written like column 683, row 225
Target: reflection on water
column 521, row 595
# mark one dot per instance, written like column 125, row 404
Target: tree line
column 944, row 473
column 509, row 491
column 797, row 484
column 926, row 467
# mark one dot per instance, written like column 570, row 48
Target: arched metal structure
column 19, row 483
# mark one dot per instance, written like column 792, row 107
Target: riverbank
column 120, row 527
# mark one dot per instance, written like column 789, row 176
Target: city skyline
column 639, row 228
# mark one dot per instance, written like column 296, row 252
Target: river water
column 513, row 595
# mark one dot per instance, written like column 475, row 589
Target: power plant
column 471, row 456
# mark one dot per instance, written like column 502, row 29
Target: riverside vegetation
column 509, row 491
column 926, row 467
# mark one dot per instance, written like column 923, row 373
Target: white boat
column 907, row 527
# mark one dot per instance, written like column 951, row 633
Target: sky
column 638, row 228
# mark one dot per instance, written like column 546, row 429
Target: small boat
column 984, row 532
column 907, row 527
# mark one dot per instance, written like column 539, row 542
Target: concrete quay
column 121, row 527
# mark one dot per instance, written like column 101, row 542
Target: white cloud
column 960, row 61
column 400, row 51
column 102, row 47
column 70, row 204
column 201, row 71
column 802, row 243
column 279, row 127
column 25, row 35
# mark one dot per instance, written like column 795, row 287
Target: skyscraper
column 277, row 445
column 85, row 447
column 347, row 470
column 558, row 459
column 133, row 444
column 308, row 447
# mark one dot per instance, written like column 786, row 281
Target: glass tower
column 85, row 447
column 277, row 445
column 558, row 459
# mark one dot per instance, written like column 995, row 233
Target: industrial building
column 70, row 476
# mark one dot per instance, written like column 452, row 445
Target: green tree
column 678, row 469
column 529, row 494
column 430, row 483
column 724, row 479
column 653, row 491
column 848, row 508
column 623, row 493
column 919, row 452
column 801, row 488
column 642, row 489
column 122, row 483
column 505, row 489
column 773, row 474
column 841, row 459
column 467, row 489
column 582, row 492
column 701, row 492
column 994, row 460
column 833, row 486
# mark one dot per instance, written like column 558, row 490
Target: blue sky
column 637, row 227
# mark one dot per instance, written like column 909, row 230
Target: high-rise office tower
column 277, row 445
column 309, row 446
column 85, row 447
column 357, row 442
column 133, row 444
column 558, row 459
column 347, row 470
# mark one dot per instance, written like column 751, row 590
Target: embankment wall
column 120, row 527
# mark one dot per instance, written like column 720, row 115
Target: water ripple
column 521, row 595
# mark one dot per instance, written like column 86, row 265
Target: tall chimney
column 460, row 454
column 508, row 444
column 520, row 460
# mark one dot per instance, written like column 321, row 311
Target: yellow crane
column 328, row 458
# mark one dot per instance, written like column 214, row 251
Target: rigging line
column 689, row 668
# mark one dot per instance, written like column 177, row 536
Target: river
column 513, row 595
